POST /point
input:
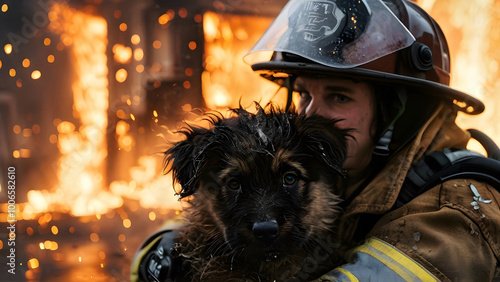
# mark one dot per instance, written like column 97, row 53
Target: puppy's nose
column 265, row 231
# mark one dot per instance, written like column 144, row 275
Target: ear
column 186, row 158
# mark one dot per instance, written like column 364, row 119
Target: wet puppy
column 264, row 197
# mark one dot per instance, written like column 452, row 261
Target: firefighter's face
column 350, row 101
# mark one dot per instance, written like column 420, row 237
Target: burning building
column 90, row 90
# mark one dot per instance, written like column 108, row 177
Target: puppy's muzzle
column 266, row 231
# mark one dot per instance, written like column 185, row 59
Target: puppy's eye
column 290, row 178
column 234, row 184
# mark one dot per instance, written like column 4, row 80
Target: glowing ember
column 36, row 74
column 81, row 165
column 122, row 54
column 121, row 75
column 33, row 263
column 7, row 48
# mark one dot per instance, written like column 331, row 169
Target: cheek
column 359, row 121
column 359, row 147
column 365, row 122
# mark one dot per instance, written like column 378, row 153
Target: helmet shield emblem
column 335, row 33
column 318, row 20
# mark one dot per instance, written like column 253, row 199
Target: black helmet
column 386, row 42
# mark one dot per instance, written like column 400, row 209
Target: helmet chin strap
column 382, row 147
column 382, row 151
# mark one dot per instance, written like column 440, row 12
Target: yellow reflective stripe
column 403, row 259
column 348, row 274
column 395, row 260
column 383, row 258
column 136, row 261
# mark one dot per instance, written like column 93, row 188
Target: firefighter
column 383, row 68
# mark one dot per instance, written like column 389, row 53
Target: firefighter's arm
column 377, row 260
column 448, row 231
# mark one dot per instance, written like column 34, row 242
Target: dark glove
column 161, row 263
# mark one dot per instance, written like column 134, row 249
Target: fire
column 227, row 80
column 473, row 44
column 83, row 149
column 148, row 185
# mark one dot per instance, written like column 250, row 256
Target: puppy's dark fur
column 264, row 196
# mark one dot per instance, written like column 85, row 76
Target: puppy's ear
column 186, row 158
column 326, row 141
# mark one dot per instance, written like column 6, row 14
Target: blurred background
column 91, row 90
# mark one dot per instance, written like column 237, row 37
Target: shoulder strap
column 438, row 167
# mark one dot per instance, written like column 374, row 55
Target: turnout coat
column 439, row 235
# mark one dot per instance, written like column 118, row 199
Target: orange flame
column 83, row 151
column 227, row 79
column 473, row 45
column 148, row 185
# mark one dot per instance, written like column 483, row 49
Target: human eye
column 343, row 98
column 339, row 98
column 304, row 95
column 304, row 98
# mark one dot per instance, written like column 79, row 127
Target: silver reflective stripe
column 377, row 260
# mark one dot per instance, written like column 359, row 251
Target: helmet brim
column 278, row 70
